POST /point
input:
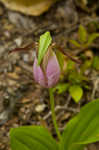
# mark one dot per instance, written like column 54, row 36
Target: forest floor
column 22, row 101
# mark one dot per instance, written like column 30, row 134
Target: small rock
column 18, row 41
column 26, row 58
column 40, row 108
column 7, row 34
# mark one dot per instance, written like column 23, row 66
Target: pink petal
column 38, row 74
column 52, row 71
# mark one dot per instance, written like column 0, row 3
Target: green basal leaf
column 91, row 38
column 82, row 34
column 76, row 92
column 32, row 138
column 82, row 129
column 75, row 43
column 45, row 41
column 95, row 63
column 61, row 88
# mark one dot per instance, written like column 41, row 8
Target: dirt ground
column 22, row 101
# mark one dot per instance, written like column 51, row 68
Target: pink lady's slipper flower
column 48, row 73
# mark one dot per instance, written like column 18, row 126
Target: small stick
column 68, row 55
column 32, row 45
column 29, row 46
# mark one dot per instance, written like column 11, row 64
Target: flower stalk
column 53, row 113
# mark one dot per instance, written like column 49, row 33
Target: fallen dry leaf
column 30, row 7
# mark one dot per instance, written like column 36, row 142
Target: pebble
column 40, row 108
column 18, row 41
column 2, row 49
column 7, row 34
column 26, row 58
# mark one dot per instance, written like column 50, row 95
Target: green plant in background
column 77, row 78
column 80, row 130
column 74, row 84
column 95, row 63
column 85, row 39
column 76, row 92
